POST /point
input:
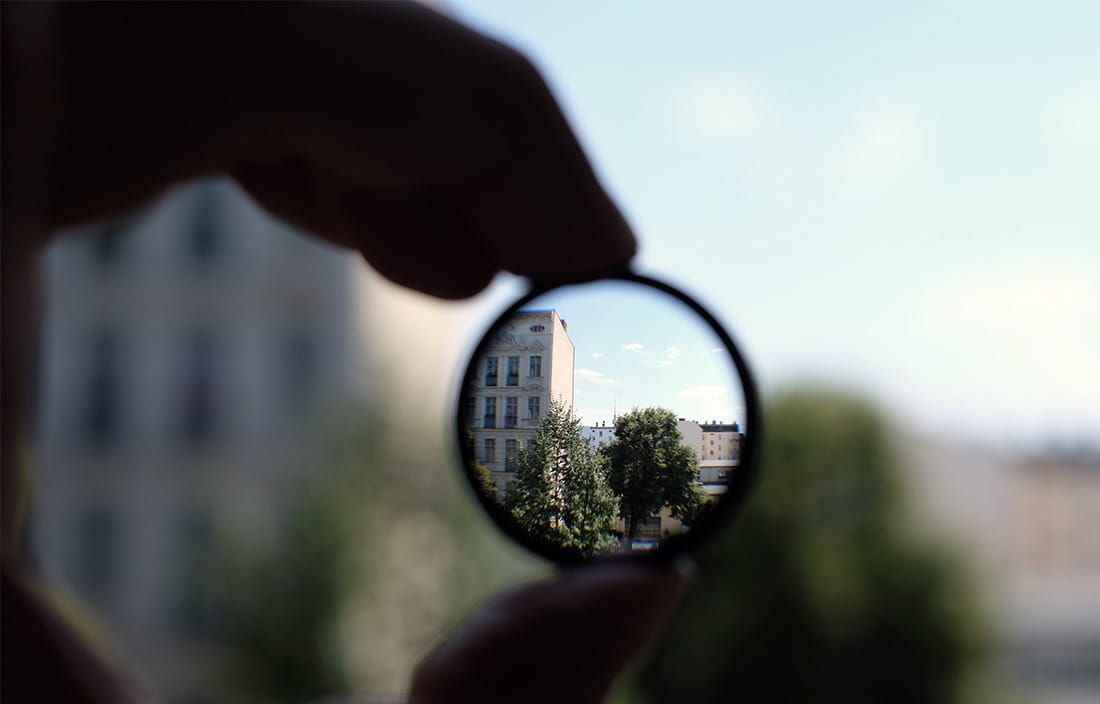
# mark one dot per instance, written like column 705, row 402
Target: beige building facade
column 526, row 366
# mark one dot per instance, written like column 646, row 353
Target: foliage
column 819, row 593
column 652, row 468
column 561, row 488
column 484, row 479
column 697, row 509
column 278, row 609
column 377, row 552
column 482, row 476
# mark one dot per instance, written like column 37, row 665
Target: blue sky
column 899, row 200
column 638, row 348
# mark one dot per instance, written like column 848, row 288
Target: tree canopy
column 821, row 591
column 561, row 492
column 652, row 468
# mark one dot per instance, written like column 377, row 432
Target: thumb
column 565, row 639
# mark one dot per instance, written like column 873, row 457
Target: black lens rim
column 741, row 483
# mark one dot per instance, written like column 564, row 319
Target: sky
column 636, row 347
column 900, row 200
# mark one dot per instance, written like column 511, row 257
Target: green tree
column 482, row 475
column 821, row 591
column 279, row 605
column 652, row 468
column 374, row 553
column 561, row 490
column 485, row 482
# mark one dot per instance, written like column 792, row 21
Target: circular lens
column 607, row 418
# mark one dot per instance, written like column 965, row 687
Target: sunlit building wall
column 720, row 441
column 528, row 364
column 692, row 434
column 597, row 436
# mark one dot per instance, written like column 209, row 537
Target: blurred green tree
column 652, row 468
column 561, row 488
column 278, row 605
column 819, row 592
column 376, row 553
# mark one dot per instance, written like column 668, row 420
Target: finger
column 406, row 109
column 422, row 242
column 539, row 204
column 563, row 640
column 462, row 130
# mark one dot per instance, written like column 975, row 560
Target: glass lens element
column 607, row 418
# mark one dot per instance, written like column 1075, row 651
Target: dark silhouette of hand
column 438, row 153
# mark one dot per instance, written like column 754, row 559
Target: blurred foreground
column 213, row 483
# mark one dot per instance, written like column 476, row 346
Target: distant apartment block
column 596, row 436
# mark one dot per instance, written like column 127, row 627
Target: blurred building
column 528, row 363
column 188, row 353
column 1029, row 522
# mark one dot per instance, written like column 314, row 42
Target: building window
column 469, row 408
column 511, row 411
column 538, row 328
column 488, row 451
column 533, row 410
column 490, row 413
column 513, row 372
column 491, row 371
column 511, row 449
column 198, row 402
column 102, row 421
column 535, row 366
column 723, row 474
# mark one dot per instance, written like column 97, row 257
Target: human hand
column 562, row 640
column 436, row 152
column 386, row 127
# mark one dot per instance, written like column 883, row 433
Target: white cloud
column 1014, row 346
column 594, row 377
column 719, row 109
column 1073, row 117
column 671, row 354
column 597, row 355
column 888, row 139
column 704, row 402
column 634, row 346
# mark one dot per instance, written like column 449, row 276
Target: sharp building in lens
column 527, row 365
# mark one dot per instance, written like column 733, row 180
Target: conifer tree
column 561, row 492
